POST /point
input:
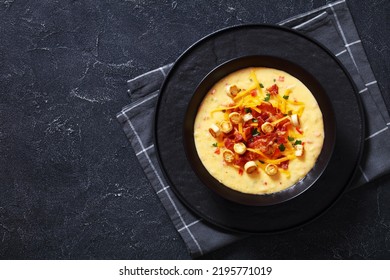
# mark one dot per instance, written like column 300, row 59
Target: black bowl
column 260, row 61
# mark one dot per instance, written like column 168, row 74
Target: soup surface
column 259, row 130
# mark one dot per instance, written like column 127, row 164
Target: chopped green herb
column 298, row 142
column 290, row 138
column 261, row 85
column 248, row 110
column 255, row 120
column 255, row 132
column 286, row 97
column 251, row 80
column 282, row 147
column 215, row 144
column 267, row 97
column 274, row 80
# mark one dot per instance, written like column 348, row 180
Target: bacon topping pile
column 261, row 128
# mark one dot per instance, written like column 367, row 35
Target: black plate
column 257, row 40
column 260, row 61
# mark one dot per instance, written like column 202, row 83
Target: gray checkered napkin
column 334, row 27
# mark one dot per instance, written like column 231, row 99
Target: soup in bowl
column 262, row 130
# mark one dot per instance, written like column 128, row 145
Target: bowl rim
column 269, row 198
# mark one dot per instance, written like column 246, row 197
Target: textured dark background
column 70, row 185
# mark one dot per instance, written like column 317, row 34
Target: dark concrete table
column 70, row 184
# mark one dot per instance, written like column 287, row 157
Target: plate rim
column 212, row 221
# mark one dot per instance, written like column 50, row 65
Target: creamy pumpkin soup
column 259, row 130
